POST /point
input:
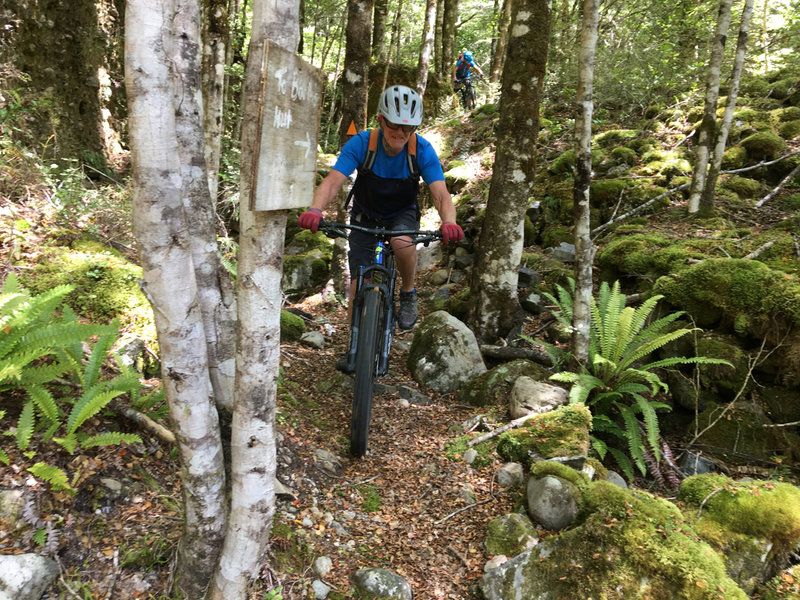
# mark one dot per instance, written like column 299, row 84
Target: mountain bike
column 466, row 93
column 373, row 320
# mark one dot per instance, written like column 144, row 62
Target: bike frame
column 381, row 275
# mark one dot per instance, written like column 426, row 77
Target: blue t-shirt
column 463, row 65
column 389, row 167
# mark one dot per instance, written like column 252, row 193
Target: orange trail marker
column 352, row 129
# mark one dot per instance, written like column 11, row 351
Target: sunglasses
column 395, row 126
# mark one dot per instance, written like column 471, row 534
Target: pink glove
column 310, row 219
column 452, row 233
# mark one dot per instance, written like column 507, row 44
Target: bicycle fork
column 383, row 279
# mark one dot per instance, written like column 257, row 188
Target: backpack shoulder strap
column 411, row 155
column 372, row 150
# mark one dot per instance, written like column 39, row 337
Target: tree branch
column 779, row 187
column 499, row 430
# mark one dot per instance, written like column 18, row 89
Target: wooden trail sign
column 286, row 146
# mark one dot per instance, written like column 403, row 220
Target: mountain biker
column 464, row 63
column 386, row 195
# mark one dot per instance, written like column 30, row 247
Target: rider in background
column 464, row 63
column 385, row 195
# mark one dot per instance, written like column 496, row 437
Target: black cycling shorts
column 362, row 245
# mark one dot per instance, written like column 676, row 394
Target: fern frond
column 625, row 465
column 25, row 426
column 682, row 360
column 4, row 457
column 11, row 285
column 69, row 443
column 44, row 401
column 624, row 335
column 52, row 475
column 650, row 346
column 642, row 313
column 99, row 353
column 656, row 328
column 650, row 424
column 599, row 446
column 111, row 438
column 92, row 402
column 633, row 436
column 41, row 374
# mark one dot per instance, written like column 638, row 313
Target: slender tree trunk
column 449, row 21
column 709, row 192
column 380, row 15
column 215, row 37
column 705, row 135
column 395, row 40
column 439, row 67
column 355, row 82
column 214, row 285
column 584, row 250
column 426, row 47
column 160, row 224
column 499, row 248
column 258, row 290
column 499, row 56
column 765, row 36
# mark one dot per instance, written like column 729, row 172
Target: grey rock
column 616, row 479
column 551, row 501
column 320, row 589
column 328, row 462
column 315, row 339
column 323, row 566
column 696, row 464
column 528, row 277
column 531, row 396
column 511, row 535
column 470, row 455
column 11, row 505
column 25, row 576
column 444, row 354
column 532, row 303
column 510, row 475
column 383, row 584
column 494, row 562
column 564, row 252
column 429, row 256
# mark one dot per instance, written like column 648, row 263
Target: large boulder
column 494, row 386
column 444, row 354
column 625, row 545
column 381, row 584
column 530, row 396
column 510, row 535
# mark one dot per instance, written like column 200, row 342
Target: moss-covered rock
column 510, row 535
column 763, row 145
column 628, row 545
column 743, row 187
column 563, row 432
column 722, row 379
column 734, row 157
column 106, row 284
column 615, row 137
column 624, row 155
column 789, row 130
column 645, row 255
column 734, row 290
column 740, row 430
column 762, row 509
column 493, row 387
column 292, row 326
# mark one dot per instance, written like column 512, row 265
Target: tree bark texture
column 214, row 286
column 449, row 20
column 356, row 66
column 499, row 56
column 715, row 162
column 161, row 229
column 426, row 47
column 705, row 135
column 258, row 290
column 499, row 247
column 380, row 15
column 438, row 59
column 584, row 249
column 215, row 39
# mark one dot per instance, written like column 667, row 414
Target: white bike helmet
column 402, row 105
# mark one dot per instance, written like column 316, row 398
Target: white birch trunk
column 215, row 288
column 709, row 192
column 258, row 341
column 706, row 133
column 426, row 47
column 584, row 250
column 215, row 49
column 169, row 282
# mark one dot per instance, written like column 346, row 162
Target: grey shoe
column 407, row 315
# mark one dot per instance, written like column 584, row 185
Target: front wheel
column 365, row 364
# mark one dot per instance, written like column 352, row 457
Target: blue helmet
column 467, row 55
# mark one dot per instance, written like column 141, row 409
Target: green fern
column 52, row 475
column 111, row 438
column 614, row 382
column 37, row 348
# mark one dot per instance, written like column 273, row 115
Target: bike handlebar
column 419, row 236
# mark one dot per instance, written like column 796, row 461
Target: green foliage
column 38, row 348
column 52, row 475
column 617, row 382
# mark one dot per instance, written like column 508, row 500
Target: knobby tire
column 366, row 363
